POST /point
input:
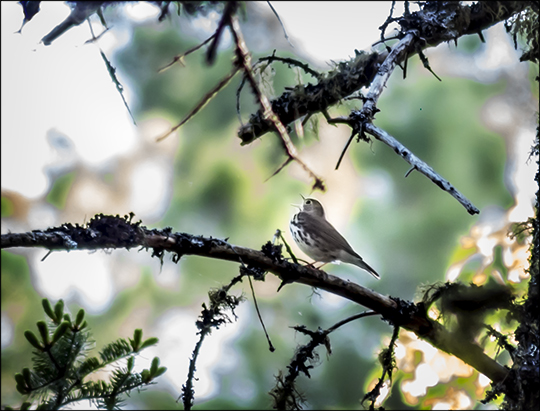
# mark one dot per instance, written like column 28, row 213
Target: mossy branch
column 106, row 232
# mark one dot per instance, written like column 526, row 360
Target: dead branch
column 420, row 166
column 244, row 61
column 204, row 101
column 359, row 126
column 180, row 57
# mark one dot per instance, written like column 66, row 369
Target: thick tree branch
column 437, row 22
column 106, row 232
column 305, row 99
column 384, row 72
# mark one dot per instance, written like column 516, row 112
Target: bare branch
column 383, row 74
column 281, row 23
column 357, row 122
column 204, row 101
column 180, row 57
column 420, row 166
column 244, row 61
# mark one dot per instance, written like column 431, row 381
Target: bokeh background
column 71, row 150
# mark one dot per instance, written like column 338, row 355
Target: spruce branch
column 60, row 366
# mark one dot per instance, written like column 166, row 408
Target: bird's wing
column 333, row 235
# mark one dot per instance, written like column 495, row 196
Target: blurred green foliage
column 19, row 302
column 59, row 191
column 7, row 207
column 219, row 190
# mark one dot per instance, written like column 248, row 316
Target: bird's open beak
column 299, row 206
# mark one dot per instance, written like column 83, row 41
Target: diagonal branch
column 180, row 57
column 108, row 232
column 383, row 74
column 378, row 84
column 420, row 166
column 280, row 22
column 204, row 101
column 244, row 61
column 357, row 123
column 360, row 121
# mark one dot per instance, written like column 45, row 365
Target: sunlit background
column 70, row 150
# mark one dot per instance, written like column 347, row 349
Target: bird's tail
column 362, row 264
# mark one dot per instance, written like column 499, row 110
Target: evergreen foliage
column 62, row 367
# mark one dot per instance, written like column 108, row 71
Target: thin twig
column 245, row 270
column 270, row 346
column 110, row 69
column 281, row 167
column 425, row 61
column 229, row 11
column 205, row 100
column 287, row 247
column 238, row 92
column 94, row 39
column 292, row 62
column 119, row 87
column 349, row 319
column 281, row 23
column 112, row 73
column 180, row 57
column 345, row 149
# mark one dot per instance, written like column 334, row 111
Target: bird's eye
column 308, row 202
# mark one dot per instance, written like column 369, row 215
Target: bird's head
column 313, row 207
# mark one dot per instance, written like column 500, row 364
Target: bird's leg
column 312, row 265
